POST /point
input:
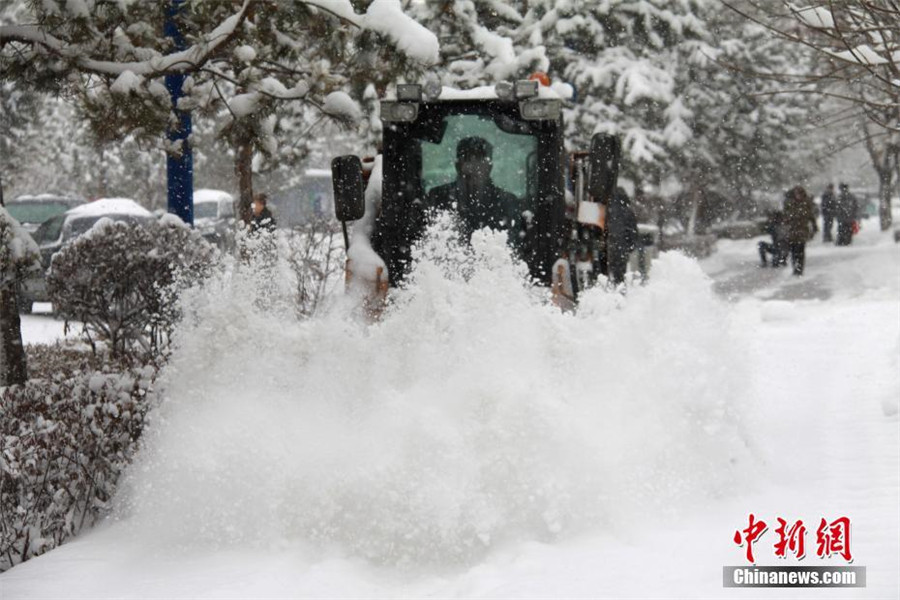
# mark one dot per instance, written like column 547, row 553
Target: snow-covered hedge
column 63, row 444
column 122, row 281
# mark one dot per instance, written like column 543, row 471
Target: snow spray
column 473, row 414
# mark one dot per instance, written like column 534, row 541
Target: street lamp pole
column 180, row 160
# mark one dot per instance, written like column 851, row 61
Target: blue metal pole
column 180, row 168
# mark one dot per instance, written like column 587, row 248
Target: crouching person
column 777, row 228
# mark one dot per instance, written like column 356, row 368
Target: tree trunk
column 884, row 162
column 13, row 369
column 885, row 178
column 243, row 168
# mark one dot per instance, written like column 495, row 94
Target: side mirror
column 604, row 159
column 349, row 199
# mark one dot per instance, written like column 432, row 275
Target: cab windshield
column 514, row 155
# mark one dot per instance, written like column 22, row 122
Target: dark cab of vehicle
column 523, row 127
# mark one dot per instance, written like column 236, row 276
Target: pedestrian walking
column 828, row 206
column 621, row 235
column 845, row 214
column 262, row 219
column 800, row 214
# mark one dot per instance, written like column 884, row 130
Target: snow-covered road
column 752, row 392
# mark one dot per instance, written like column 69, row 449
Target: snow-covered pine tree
column 248, row 59
column 479, row 41
column 857, row 44
column 619, row 56
column 744, row 133
column 57, row 151
column 647, row 70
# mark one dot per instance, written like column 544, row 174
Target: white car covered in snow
column 214, row 213
column 58, row 231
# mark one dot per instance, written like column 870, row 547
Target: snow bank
column 474, row 414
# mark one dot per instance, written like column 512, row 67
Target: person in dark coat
column 829, row 204
column 800, row 215
column 845, row 214
column 775, row 226
column 262, row 219
column 621, row 235
column 473, row 195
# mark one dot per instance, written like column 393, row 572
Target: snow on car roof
column 206, row 195
column 46, row 198
column 105, row 206
column 317, row 173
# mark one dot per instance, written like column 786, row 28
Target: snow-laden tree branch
column 264, row 70
column 158, row 65
column 857, row 43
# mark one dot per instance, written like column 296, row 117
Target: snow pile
column 474, row 414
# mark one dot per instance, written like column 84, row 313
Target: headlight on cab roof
column 402, row 112
column 505, row 90
column 540, row 110
column 526, row 88
column 409, row 92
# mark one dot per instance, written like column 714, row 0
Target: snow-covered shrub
column 315, row 254
column 63, row 444
column 122, row 282
column 68, row 358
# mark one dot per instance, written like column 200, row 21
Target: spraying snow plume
column 473, row 414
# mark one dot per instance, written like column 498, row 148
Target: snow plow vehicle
column 494, row 157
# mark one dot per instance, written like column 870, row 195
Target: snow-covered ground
column 479, row 443
column 41, row 327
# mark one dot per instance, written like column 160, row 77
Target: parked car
column 214, row 212
column 312, row 200
column 867, row 201
column 58, row 231
column 31, row 211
